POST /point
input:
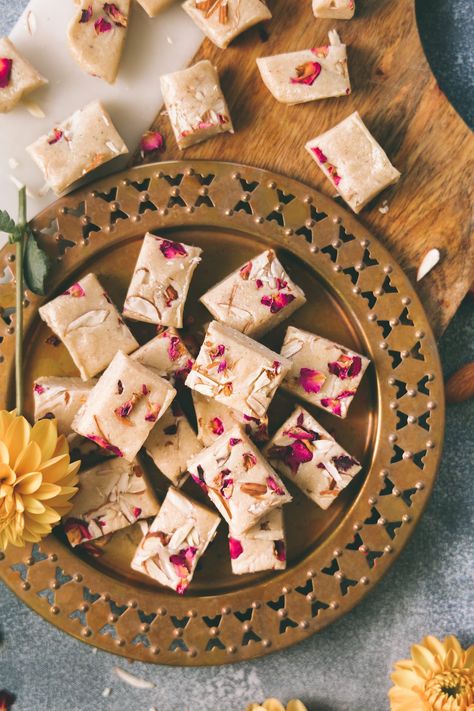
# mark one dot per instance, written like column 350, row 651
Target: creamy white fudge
column 112, row 495
column 322, row 372
column 213, row 419
column 263, row 547
column 237, row 371
column 154, row 7
column 160, row 281
column 172, row 443
column 223, row 20
column 306, row 454
column 89, row 325
column 238, row 480
column 175, row 541
column 123, row 407
column 17, row 76
column 60, row 398
column 337, row 9
column 196, row 106
column 167, row 354
column 97, row 35
column 307, row 75
column 353, row 161
column 76, row 146
column 256, row 297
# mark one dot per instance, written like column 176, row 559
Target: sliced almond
column 133, row 680
column 90, row 319
column 430, row 260
column 143, row 307
column 34, row 108
column 460, row 386
column 253, row 489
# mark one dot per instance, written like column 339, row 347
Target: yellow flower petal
column 31, row 537
column 28, row 460
column 28, row 483
column 423, row 657
column 4, row 453
column 295, row 705
column 48, row 491
column 452, row 643
column 273, row 705
column 55, row 469
column 469, row 658
column 17, row 437
column 45, row 434
column 33, row 506
column 7, row 475
column 42, row 529
column 6, row 418
column 49, row 516
column 62, row 446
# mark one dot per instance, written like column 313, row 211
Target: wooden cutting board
column 401, row 103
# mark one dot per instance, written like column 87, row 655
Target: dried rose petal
column 75, row 290
column 5, row 71
column 250, row 460
column 182, row 587
column 222, row 367
column 277, row 302
column 227, row 389
column 183, row 373
column 119, row 387
column 136, row 511
column 216, row 426
column 319, row 155
column 152, row 141
column 39, row 389
column 307, row 73
column 117, row 16
column 217, row 352
column 344, row 462
column 245, row 271
column 227, row 488
column 332, row 170
column 280, row 550
column 199, row 479
column 152, row 412
column 170, row 295
column 311, row 380
column 102, row 25
column 302, row 433
column 102, row 442
column 145, row 390
column 56, row 136
column 86, row 14
column 76, row 530
column 334, row 404
column 259, row 283
column 346, row 366
column 233, row 441
column 172, row 250
column 292, row 454
column 183, row 561
column 235, row 548
column 271, row 483
column 175, row 348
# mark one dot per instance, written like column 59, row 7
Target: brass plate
column 357, row 295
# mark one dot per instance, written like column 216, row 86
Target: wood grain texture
column 402, row 105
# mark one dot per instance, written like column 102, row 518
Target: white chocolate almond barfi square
column 172, row 546
column 237, row 371
column 213, row 419
column 172, row 443
column 353, row 161
column 262, row 547
column 160, row 281
column 196, row 106
column 60, row 398
column 17, row 76
column 307, row 75
column 306, row 454
column 167, row 354
column 123, row 407
column 223, row 20
column 76, row 146
column 97, row 36
column 238, row 480
column 89, row 325
column 337, row 9
column 112, row 495
column 154, row 7
column 256, row 297
column 323, row 373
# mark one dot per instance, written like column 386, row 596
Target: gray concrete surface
column 347, row 666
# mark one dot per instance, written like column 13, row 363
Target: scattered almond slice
column 430, row 260
column 106, row 692
column 133, row 680
column 384, row 208
column 31, row 23
column 34, row 108
column 460, row 386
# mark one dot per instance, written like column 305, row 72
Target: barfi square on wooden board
column 167, row 354
column 256, row 297
column 337, row 9
column 60, row 398
column 123, row 407
column 306, row 454
column 213, row 419
column 223, row 20
column 262, row 547
column 89, row 325
column 178, row 537
column 17, row 76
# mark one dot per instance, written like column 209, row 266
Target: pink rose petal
column 307, row 73
column 292, row 454
column 217, row 426
column 311, row 380
column 102, row 442
column 152, row 141
column 271, row 483
column 136, row 511
column 235, row 548
column 102, row 25
column 175, row 348
column 75, row 290
column 86, row 14
column 172, row 250
column 319, row 155
column 76, row 524
column 245, row 271
column 233, row 441
column 39, row 389
column 277, row 302
column 117, row 16
column 346, row 366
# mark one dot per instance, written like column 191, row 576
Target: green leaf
column 7, row 224
column 36, row 265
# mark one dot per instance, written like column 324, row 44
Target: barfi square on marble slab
column 160, row 281
column 307, row 75
column 17, row 76
column 213, row 419
column 123, row 407
column 262, row 547
column 60, row 398
column 76, row 146
column 167, row 354
column 306, row 454
column 353, row 161
column 337, row 9
column 97, row 36
column 172, row 546
column 196, row 106
column 256, row 297
column 112, row 495
column 237, row 371
column 89, row 325
column 323, row 373
column 238, row 480
column 172, row 443
column 223, row 20
column 154, row 7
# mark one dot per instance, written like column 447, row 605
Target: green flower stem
column 19, row 302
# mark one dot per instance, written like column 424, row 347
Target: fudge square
column 171, row 443
column 353, row 161
column 237, row 371
column 223, row 20
column 123, row 407
column 256, row 297
column 153, row 7
column 337, row 9
column 322, row 372
column 89, row 325
column 238, row 480
column 76, row 146
column 17, row 76
column 213, row 419
column 60, row 398
column 262, row 547
column 112, row 495
column 306, row 454
column 173, row 544
column 307, row 75
column 167, row 354
column 196, row 106
column 160, row 281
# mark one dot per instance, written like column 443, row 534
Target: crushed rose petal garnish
column 175, row 348
column 39, row 389
column 277, row 302
column 102, row 25
column 117, row 16
column 307, row 73
column 5, row 71
column 217, row 426
column 235, row 548
column 102, row 442
column 311, row 380
column 271, row 483
column 199, row 479
column 234, row 441
column 250, row 460
column 245, row 271
column 334, row 404
column 319, row 155
column 280, row 550
column 292, row 454
column 152, row 141
column 346, row 366
column 172, row 250
column 86, row 14
column 56, row 136
column 344, row 462
column 76, row 530
column 75, row 290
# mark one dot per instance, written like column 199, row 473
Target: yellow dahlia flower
column 275, row 705
column 37, row 479
column 438, row 677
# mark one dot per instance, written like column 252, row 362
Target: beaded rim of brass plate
column 123, row 617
